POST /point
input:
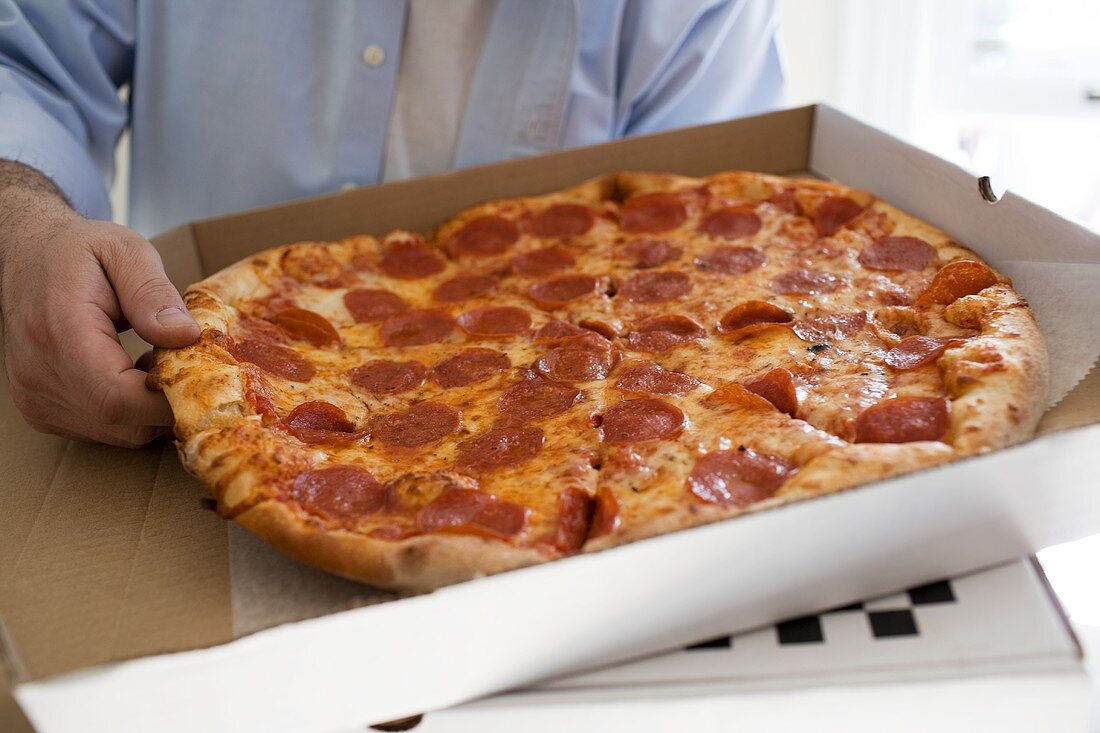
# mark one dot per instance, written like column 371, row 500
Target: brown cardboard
column 109, row 554
column 12, row 719
column 1079, row 408
column 103, row 550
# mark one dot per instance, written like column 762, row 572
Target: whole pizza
column 565, row 373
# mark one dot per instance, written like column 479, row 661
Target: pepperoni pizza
column 559, row 374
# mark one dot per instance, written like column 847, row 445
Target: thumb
column 151, row 304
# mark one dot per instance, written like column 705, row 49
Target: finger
column 103, row 384
column 127, row 436
column 151, row 304
column 137, row 404
column 121, row 436
column 62, row 422
column 121, row 398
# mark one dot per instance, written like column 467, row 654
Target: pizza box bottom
column 122, row 596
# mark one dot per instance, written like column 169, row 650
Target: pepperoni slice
column 416, row 489
column 659, row 286
column 250, row 327
column 560, row 290
column 730, row 223
column 652, row 212
column 737, row 478
column 956, row 280
column 902, row 420
column 651, row 378
column 421, row 424
column 777, row 387
column 305, row 325
column 752, row 316
column 807, row 282
column 392, row 532
column 463, row 287
column 575, row 508
column 495, row 321
column 310, row 264
column 834, row 327
column 411, row 259
column 833, row 213
column 275, row 359
column 338, row 492
column 499, row 449
column 605, row 518
column 916, row 351
column 637, row 421
column 563, row 220
column 607, row 330
column 543, row 261
column 537, row 399
column 484, row 237
column 469, row 366
column 381, row 376
column 258, row 394
column 559, row 331
column 416, row 328
column 735, row 395
column 648, row 253
column 580, row 363
column 320, row 422
column 371, row 305
column 730, row 260
column 785, row 201
column 663, row 333
column 466, row 511
column 898, row 253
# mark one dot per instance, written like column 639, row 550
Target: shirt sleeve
column 692, row 63
column 61, row 67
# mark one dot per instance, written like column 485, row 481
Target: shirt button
column 373, row 55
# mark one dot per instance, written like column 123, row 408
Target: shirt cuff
column 30, row 136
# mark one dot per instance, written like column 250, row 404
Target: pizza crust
column 414, row 565
column 998, row 380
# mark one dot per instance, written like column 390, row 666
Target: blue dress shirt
column 249, row 102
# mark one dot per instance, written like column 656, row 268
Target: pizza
column 559, row 374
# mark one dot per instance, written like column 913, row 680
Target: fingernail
column 173, row 317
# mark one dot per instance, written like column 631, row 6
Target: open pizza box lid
column 127, row 606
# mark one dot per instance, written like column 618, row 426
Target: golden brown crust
column 995, row 377
column 998, row 380
column 414, row 565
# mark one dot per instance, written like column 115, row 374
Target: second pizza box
column 127, row 605
column 987, row 651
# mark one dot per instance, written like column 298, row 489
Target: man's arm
column 61, row 66
column 68, row 284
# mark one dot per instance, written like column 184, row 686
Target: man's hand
column 67, row 287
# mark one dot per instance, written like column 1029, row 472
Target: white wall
column 809, row 31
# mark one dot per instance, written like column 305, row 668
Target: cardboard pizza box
column 987, row 651
column 122, row 596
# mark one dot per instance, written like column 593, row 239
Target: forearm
column 28, row 197
column 60, row 113
column 32, row 210
column 19, row 182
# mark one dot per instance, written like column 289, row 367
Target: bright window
column 1008, row 88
